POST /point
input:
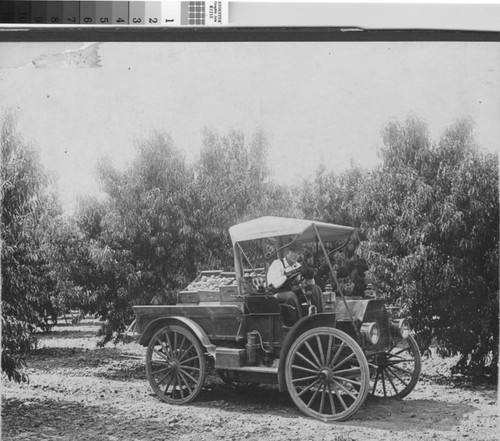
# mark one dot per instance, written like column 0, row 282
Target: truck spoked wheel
column 327, row 374
column 175, row 365
column 397, row 371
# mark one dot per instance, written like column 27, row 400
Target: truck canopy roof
column 272, row 226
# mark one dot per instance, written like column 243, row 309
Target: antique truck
column 328, row 362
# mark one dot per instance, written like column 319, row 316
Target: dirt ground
column 80, row 392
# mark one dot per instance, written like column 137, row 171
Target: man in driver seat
column 291, row 281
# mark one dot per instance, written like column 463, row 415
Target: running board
column 253, row 374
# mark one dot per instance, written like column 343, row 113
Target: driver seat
column 289, row 314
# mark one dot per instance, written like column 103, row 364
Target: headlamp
column 371, row 331
column 401, row 327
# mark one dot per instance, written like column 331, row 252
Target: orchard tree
column 69, row 267
column 232, row 184
column 430, row 215
column 164, row 220
column 27, row 287
column 329, row 197
column 135, row 236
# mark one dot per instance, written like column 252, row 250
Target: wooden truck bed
column 220, row 322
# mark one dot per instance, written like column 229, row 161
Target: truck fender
column 185, row 322
column 304, row 324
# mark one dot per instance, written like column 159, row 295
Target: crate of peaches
column 207, row 286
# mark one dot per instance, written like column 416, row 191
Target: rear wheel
column 397, row 370
column 175, row 365
column 327, row 374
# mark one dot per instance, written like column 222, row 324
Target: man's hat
column 295, row 248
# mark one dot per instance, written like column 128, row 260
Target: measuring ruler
column 114, row 13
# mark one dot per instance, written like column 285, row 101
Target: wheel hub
column 381, row 361
column 324, row 374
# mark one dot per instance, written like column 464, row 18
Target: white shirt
column 276, row 275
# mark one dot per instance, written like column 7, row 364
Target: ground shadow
column 386, row 414
column 262, row 397
column 47, row 416
column 64, row 419
column 72, row 333
column 124, row 370
column 49, row 359
column 111, row 363
column 408, row 414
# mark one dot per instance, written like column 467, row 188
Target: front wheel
column 397, row 370
column 175, row 365
column 327, row 374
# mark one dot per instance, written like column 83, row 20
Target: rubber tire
column 359, row 357
column 413, row 347
column 183, row 368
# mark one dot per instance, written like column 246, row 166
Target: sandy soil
column 80, row 392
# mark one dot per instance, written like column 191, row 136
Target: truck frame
column 328, row 362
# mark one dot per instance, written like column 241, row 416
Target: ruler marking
column 119, row 12
column 103, row 12
column 22, row 12
column 113, row 12
column 137, row 13
column 153, row 13
column 39, row 12
column 7, row 12
column 87, row 12
column 71, row 12
column 171, row 13
column 54, row 12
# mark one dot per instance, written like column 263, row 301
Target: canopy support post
column 334, row 276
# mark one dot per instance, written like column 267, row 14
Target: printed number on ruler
column 119, row 12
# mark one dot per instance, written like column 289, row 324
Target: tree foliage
column 232, row 184
column 427, row 230
column 41, row 252
column 135, row 239
column 164, row 220
column 25, row 207
column 426, row 218
column 329, row 197
column 430, row 215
